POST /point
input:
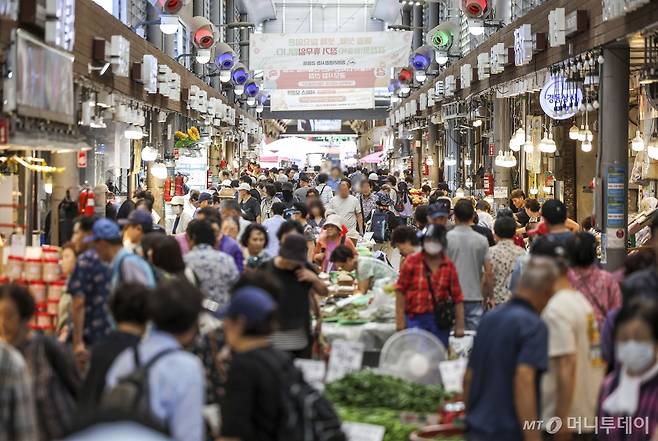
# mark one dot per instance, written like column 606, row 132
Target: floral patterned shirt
column 91, row 279
column 215, row 270
column 503, row 255
column 599, row 287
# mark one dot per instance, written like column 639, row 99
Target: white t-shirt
column 572, row 329
column 348, row 208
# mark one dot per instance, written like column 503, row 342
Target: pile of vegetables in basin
column 395, row 430
column 366, row 389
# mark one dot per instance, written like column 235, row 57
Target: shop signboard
column 615, row 204
column 500, row 193
column 559, row 100
column 346, row 51
column 325, row 99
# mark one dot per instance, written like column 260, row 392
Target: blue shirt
column 334, row 183
column 176, row 381
column 508, row 336
column 272, row 226
column 91, row 280
column 130, row 268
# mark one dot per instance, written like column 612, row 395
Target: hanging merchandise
column 179, row 184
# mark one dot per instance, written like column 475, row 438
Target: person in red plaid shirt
column 416, row 298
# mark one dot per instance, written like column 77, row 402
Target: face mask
column 178, row 209
column 432, row 248
column 636, row 355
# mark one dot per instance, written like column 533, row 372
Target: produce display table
column 373, row 335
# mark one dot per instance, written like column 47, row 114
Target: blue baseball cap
column 139, row 217
column 440, row 208
column 254, row 304
column 104, row 229
column 205, row 197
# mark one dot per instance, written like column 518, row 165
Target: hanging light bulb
column 468, row 161
column 159, row 170
column 510, row 160
column 515, row 143
column 534, row 191
column 528, row 147
column 133, row 132
column 149, row 154
column 589, row 136
column 637, row 143
column 477, row 123
column 586, row 146
column 500, row 159
column 581, row 133
column 48, row 184
column 573, row 132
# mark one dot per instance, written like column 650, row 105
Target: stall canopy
column 372, row 158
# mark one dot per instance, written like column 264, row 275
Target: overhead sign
column 319, row 125
column 326, row 78
column 356, row 50
column 559, row 100
column 321, row 99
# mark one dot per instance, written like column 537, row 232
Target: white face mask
column 432, row 248
column 177, row 209
column 635, row 355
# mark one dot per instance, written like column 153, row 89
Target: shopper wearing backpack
column 168, row 385
column 266, row 397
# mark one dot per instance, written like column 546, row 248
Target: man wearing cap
column 126, row 267
column 249, row 206
column 296, row 274
column 253, row 397
column 205, row 199
column 438, row 213
column 182, row 218
column 138, row 223
column 89, row 288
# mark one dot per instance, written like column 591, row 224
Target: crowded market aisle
column 198, row 334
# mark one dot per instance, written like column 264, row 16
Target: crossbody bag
column 444, row 309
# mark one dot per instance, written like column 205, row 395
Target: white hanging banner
column 355, row 50
column 321, row 99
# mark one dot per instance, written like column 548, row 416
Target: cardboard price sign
column 346, row 356
column 363, row 432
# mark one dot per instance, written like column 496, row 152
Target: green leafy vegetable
column 366, row 389
column 395, row 430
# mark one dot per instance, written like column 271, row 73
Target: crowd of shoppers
column 188, row 329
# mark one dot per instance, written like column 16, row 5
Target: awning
column 372, row 158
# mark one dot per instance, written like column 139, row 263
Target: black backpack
column 307, row 415
column 132, row 392
column 380, row 226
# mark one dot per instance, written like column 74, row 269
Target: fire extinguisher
column 90, row 207
column 167, row 189
column 426, row 169
column 179, row 185
column 82, row 201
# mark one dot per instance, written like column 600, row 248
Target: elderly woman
column 334, row 233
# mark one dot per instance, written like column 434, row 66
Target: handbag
column 444, row 309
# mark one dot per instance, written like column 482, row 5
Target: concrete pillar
column 417, row 27
column 197, row 10
column 153, row 32
column 432, row 150
column 67, row 180
column 244, row 42
column 501, row 118
column 452, row 148
column 406, row 15
column 613, row 156
column 216, row 19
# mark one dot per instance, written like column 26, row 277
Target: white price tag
column 363, row 432
column 452, row 374
column 346, row 356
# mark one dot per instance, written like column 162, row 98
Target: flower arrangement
column 187, row 139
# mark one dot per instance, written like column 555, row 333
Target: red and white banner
column 326, row 79
column 321, row 99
